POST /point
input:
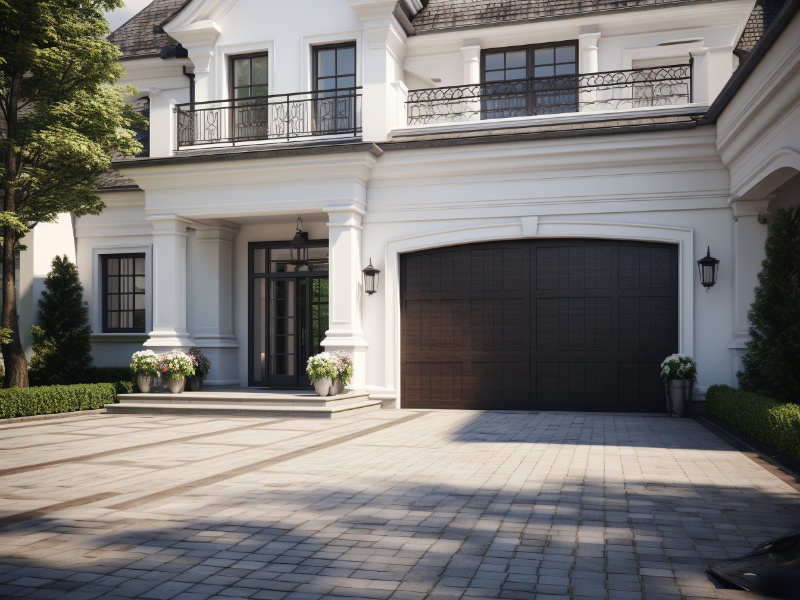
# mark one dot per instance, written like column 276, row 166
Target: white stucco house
column 535, row 182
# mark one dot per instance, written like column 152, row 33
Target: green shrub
column 62, row 345
column 770, row 365
column 24, row 402
column 774, row 423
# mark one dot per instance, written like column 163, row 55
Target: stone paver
column 391, row 505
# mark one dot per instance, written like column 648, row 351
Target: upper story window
column 124, row 293
column 335, row 87
column 249, row 89
column 530, row 80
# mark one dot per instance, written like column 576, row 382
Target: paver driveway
column 389, row 504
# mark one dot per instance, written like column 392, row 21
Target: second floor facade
column 219, row 73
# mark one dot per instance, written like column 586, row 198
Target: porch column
column 212, row 291
column 169, row 284
column 472, row 62
column 749, row 237
column 589, row 62
column 345, row 332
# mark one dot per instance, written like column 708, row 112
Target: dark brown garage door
column 538, row 324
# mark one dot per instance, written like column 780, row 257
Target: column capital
column 168, row 224
column 749, row 207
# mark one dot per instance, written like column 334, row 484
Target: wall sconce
column 371, row 278
column 299, row 247
column 708, row 267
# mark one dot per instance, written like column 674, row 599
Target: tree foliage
column 62, row 345
column 770, row 366
column 61, row 118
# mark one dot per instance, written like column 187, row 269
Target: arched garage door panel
column 538, row 324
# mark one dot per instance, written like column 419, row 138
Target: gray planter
column 145, row 383
column 679, row 396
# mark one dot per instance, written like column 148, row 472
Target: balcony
column 591, row 92
column 285, row 117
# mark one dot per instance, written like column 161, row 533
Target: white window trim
column 309, row 42
column 230, row 51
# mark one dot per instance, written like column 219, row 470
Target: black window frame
column 344, row 120
column 106, row 293
column 531, row 89
column 249, row 117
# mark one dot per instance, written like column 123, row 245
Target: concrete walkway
column 387, row 505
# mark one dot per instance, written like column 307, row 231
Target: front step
column 269, row 405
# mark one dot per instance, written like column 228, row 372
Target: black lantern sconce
column 299, row 247
column 371, row 278
column 708, row 267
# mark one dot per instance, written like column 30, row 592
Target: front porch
column 228, row 401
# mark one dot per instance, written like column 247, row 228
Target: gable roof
column 138, row 38
column 763, row 13
column 442, row 15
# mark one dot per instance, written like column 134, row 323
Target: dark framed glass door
column 288, row 313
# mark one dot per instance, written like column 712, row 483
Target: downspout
column 191, row 87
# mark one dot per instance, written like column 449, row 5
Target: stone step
column 302, row 405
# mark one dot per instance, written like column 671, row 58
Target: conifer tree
column 62, row 343
column 770, row 366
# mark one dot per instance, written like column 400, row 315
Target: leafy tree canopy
column 61, row 119
column 61, row 116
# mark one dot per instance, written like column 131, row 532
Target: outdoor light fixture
column 299, row 247
column 371, row 277
column 708, row 267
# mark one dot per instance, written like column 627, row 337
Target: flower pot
column 175, row 385
column 195, row 383
column 679, row 396
column 337, row 387
column 145, row 383
column 323, row 386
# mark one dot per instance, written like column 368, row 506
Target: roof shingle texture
column 763, row 13
column 440, row 15
column 136, row 37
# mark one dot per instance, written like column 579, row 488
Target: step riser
column 266, row 413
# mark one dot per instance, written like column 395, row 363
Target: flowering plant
column 144, row 362
column 200, row 361
column 344, row 366
column 678, row 366
column 175, row 364
column 320, row 366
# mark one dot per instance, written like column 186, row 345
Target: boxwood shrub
column 25, row 402
column 777, row 424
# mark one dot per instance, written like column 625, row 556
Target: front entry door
column 288, row 313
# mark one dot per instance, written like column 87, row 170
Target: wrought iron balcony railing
column 279, row 117
column 591, row 92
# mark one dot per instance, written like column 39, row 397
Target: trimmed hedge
column 25, row 402
column 774, row 423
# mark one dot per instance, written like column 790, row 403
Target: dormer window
column 530, row 80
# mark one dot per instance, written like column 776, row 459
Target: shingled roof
column 763, row 13
column 440, row 15
column 137, row 38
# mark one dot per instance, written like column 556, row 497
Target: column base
column 164, row 341
column 355, row 346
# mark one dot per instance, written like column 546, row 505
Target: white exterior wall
column 671, row 187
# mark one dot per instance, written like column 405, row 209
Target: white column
column 589, row 52
column 589, row 62
column 472, row 63
column 212, row 289
column 169, row 284
column 700, row 77
column 749, row 237
column 345, row 332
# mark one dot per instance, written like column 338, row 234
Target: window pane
column 495, row 61
column 543, row 71
column 140, row 266
column 515, row 60
column 259, row 71
column 543, row 56
column 566, row 69
column 516, row 74
column 495, row 75
column 326, row 63
column 346, row 59
column 565, row 54
column 346, row 82
column 241, row 72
